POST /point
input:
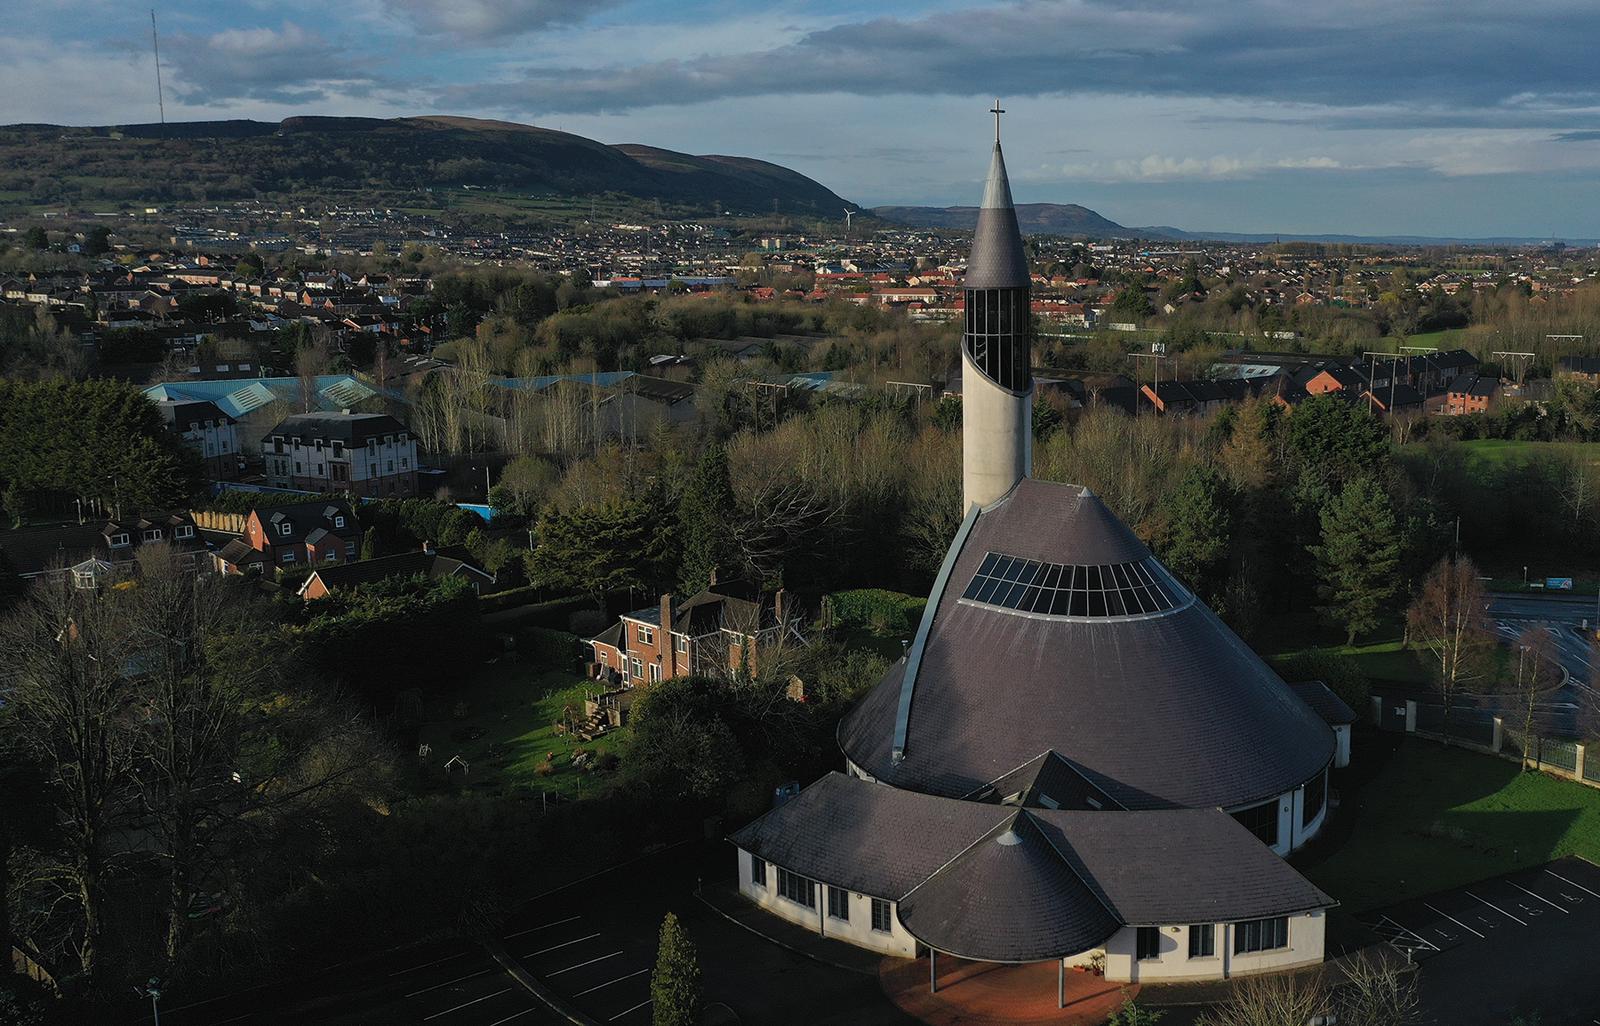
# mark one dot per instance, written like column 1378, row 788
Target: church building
column 1075, row 761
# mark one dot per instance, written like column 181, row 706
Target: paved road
column 1571, row 621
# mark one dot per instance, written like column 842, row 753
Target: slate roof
column 997, row 260
column 1002, row 884
column 869, row 838
column 1333, row 709
column 1010, row 897
column 1158, row 711
column 353, row 429
column 432, row 565
column 304, row 518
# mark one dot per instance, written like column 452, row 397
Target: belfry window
column 997, row 336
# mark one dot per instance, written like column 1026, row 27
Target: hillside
column 222, row 160
column 1033, row 218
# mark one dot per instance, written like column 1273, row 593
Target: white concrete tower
column 996, row 349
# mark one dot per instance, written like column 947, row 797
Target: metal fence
column 1483, row 729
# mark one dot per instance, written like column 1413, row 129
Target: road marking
column 1497, row 908
column 635, row 1008
column 608, row 983
column 1579, row 886
column 467, row 1004
column 1547, row 901
column 513, row 1015
column 536, row 929
column 1399, row 930
column 451, row 983
column 557, row 947
column 1458, row 922
column 437, row 961
column 580, row 965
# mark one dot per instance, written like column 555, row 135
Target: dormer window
column 338, row 521
column 119, row 540
column 183, row 532
column 152, row 535
column 285, row 529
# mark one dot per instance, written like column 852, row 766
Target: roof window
column 1064, row 589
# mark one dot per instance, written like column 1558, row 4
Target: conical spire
column 997, row 260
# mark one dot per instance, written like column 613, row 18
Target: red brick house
column 719, row 631
column 1470, row 393
column 312, row 534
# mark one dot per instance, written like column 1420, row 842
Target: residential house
column 208, row 432
column 424, row 562
column 721, row 630
column 369, row 454
column 312, row 534
column 1470, row 393
column 93, row 553
column 1584, row 368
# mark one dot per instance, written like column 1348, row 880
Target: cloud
column 1583, row 135
column 290, row 65
column 1158, row 168
column 1485, row 55
column 492, row 21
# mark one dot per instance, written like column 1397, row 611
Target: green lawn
column 1494, row 451
column 1434, row 817
column 502, row 722
column 1382, row 660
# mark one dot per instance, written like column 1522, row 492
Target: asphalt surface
column 1571, row 620
column 1519, row 944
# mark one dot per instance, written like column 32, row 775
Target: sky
column 1466, row 118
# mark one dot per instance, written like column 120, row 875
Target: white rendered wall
column 1341, row 746
column 996, row 436
column 1306, row 940
column 857, row 931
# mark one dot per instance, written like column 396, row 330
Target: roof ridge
column 1084, row 877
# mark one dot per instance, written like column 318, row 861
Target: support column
column 1061, row 983
column 933, row 971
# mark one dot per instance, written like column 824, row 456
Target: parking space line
column 580, row 965
column 536, row 929
column 635, row 1008
column 467, row 1004
column 557, row 947
column 450, row 983
column 1458, row 922
column 1541, row 897
column 513, row 1015
column 1497, row 908
column 1579, row 886
column 437, row 961
column 608, row 983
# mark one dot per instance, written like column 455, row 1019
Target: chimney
column 777, row 606
column 713, row 582
column 427, row 546
column 669, row 648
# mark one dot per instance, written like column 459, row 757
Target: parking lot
column 599, row 969
column 447, row 984
column 1519, row 944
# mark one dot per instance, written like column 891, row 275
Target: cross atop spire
column 997, row 110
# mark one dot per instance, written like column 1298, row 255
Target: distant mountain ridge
column 1033, row 218
column 1072, row 219
column 243, row 159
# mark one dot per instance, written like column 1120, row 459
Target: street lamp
column 152, row 990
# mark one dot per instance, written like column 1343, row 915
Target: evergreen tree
column 1249, row 457
column 369, row 543
column 675, row 984
column 1199, row 529
column 1338, row 438
column 1359, row 558
column 620, row 545
column 706, row 514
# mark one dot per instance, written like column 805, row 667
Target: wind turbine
column 848, row 213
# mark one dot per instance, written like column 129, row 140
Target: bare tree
column 68, row 653
column 1537, row 672
column 311, row 360
column 1375, row 990
column 1277, row 999
column 1447, row 619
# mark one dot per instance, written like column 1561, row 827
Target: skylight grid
column 1065, row 589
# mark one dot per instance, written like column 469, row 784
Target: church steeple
column 997, row 381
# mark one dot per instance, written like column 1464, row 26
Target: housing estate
column 312, row 534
